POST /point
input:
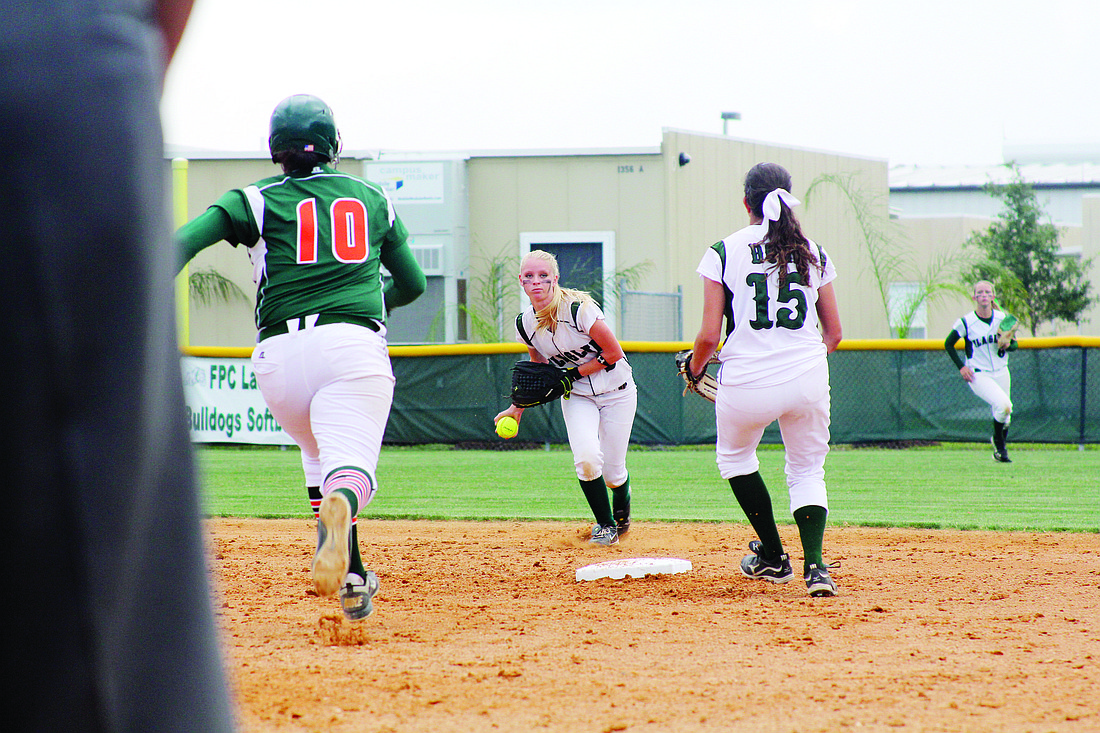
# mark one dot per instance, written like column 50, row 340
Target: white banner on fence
column 224, row 405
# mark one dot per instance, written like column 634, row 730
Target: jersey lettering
column 791, row 318
column 307, row 231
column 349, row 230
column 983, row 340
column 757, row 253
column 566, row 358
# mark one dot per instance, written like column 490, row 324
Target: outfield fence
column 882, row 390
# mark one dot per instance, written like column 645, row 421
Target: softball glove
column 535, row 383
column 1006, row 332
column 704, row 385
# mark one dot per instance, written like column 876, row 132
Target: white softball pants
column 995, row 388
column 331, row 388
column 599, row 432
column 802, row 408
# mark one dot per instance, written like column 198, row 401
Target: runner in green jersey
column 317, row 239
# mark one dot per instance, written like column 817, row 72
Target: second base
column 635, row 567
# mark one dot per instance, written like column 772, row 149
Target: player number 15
column 791, row 317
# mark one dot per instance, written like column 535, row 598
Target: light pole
column 726, row 117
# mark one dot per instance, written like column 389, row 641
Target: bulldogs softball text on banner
column 224, row 405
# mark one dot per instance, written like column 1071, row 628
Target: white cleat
column 331, row 561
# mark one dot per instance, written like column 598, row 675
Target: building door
column 580, row 264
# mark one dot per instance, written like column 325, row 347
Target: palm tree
column 891, row 259
column 208, row 286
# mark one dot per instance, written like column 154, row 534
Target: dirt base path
column 482, row 627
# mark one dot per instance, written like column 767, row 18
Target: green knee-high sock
column 315, row 499
column 620, row 496
column 811, row 529
column 353, row 500
column 356, row 564
column 595, row 491
column 752, row 495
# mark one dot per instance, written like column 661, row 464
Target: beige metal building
column 647, row 212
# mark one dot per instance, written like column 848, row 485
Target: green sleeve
column 949, row 347
column 209, row 227
column 407, row 282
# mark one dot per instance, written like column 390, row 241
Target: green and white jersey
column 571, row 344
column 315, row 241
column 772, row 331
column 980, row 335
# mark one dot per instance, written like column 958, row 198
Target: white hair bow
column 772, row 209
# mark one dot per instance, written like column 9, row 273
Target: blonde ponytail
column 548, row 317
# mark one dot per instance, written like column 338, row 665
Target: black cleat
column 622, row 520
column 1000, row 454
column 776, row 570
column 818, row 582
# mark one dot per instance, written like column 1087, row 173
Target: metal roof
column 1040, row 175
column 1044, row 165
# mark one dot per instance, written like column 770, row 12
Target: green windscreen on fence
column 878, row 394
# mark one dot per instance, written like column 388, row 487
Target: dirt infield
column 482, row 627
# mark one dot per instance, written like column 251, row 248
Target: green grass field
column 1046, row 488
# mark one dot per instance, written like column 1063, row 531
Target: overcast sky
column 939, row 82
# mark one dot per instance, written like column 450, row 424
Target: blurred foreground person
column 107, row 616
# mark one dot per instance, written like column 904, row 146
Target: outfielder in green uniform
column 317, row 239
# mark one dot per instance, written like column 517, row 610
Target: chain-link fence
column 878, row 395
column 647, row 316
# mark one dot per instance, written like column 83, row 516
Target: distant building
column 601, row 211
column 658, row 208
column 958, row 190
column 938, row 207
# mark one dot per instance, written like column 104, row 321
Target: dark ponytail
column 297, row 160
column 785, row 243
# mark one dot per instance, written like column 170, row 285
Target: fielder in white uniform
column 773, row 287
column 566, row 328
column 986, row 366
